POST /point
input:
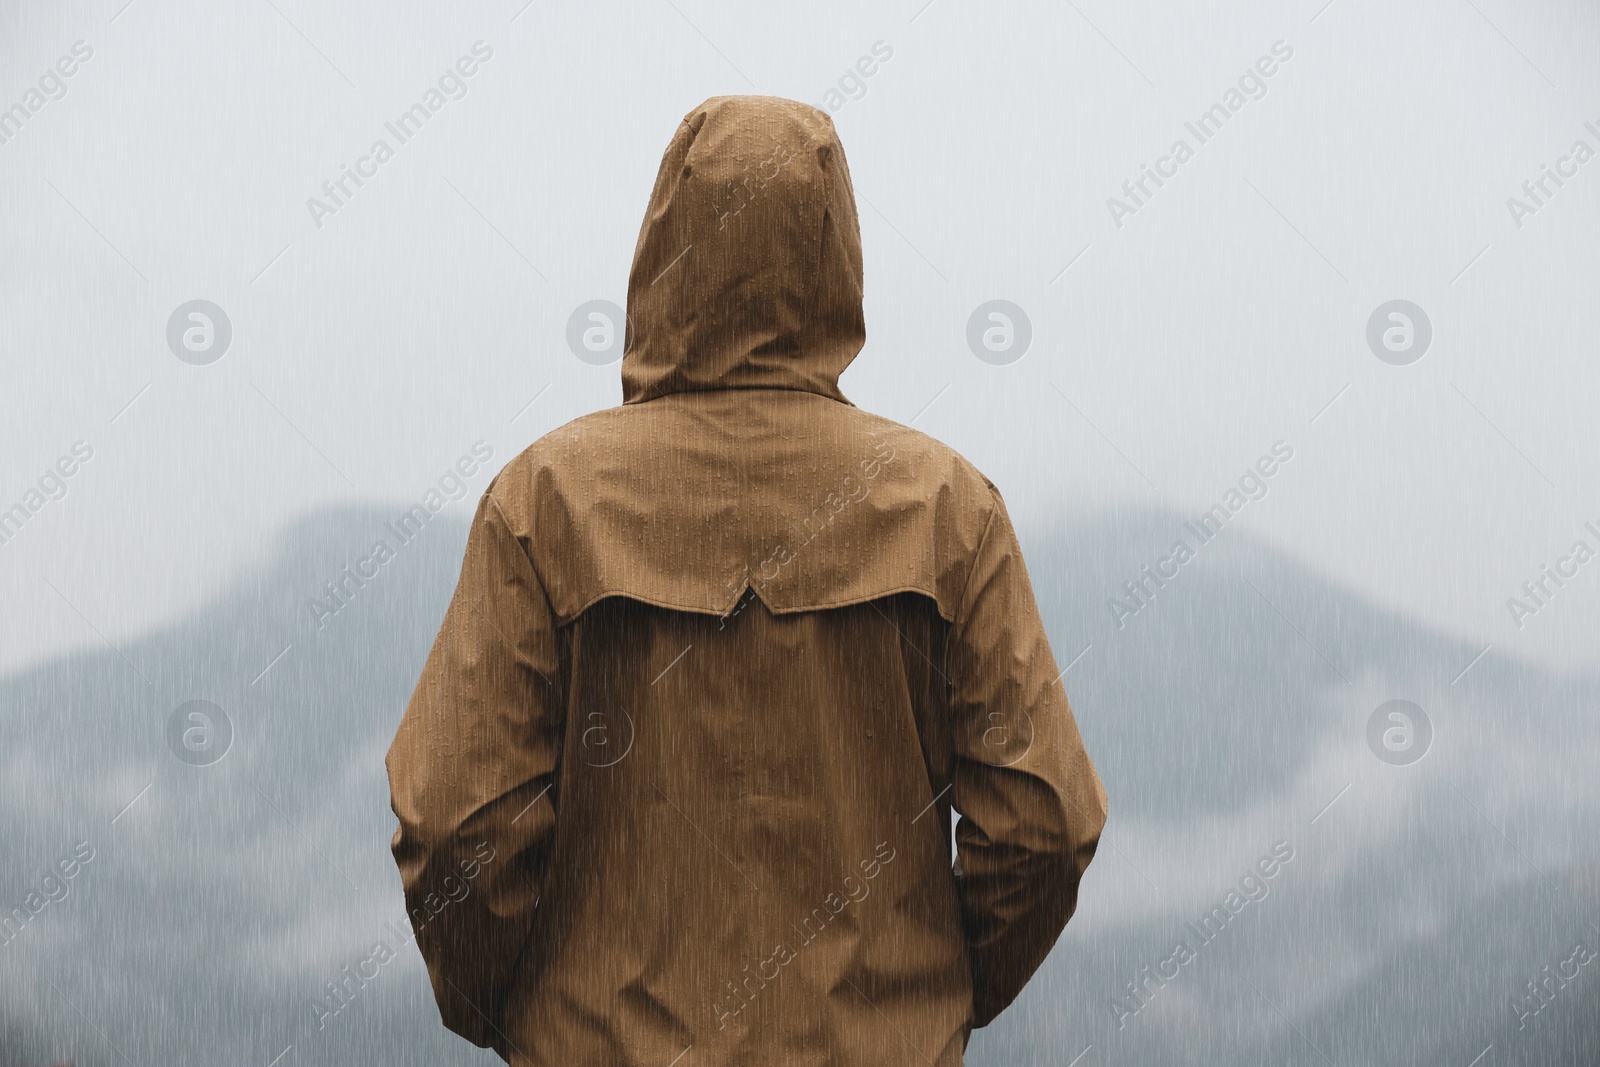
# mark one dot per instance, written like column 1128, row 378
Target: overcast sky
column 1174, row 339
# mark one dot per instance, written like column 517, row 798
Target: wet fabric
column 722, row 665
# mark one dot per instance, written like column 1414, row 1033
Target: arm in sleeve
column 471, row 772
column 1030, row 802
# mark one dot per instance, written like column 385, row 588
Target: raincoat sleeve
column 1030, row 803
column 471, row 771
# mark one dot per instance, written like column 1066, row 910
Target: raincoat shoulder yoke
column 687, row 501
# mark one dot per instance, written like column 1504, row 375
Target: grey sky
column 1223, row 315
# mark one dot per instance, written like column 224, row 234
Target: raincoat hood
column 747, row 272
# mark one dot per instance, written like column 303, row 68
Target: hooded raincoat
column 676, row 784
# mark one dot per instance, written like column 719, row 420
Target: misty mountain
column 226, row 902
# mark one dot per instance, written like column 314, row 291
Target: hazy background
column 1228, row 313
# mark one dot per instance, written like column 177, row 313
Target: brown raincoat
column 677, row 778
